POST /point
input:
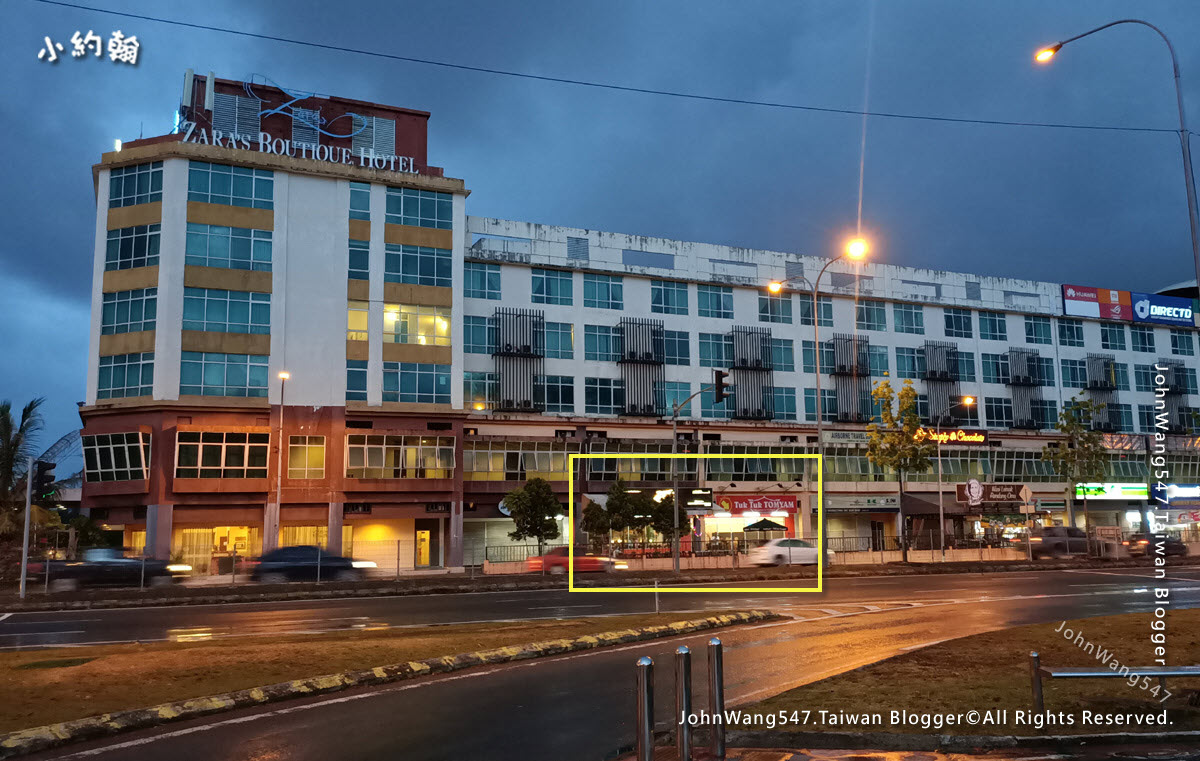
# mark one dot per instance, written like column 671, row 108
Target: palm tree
column 16, row 447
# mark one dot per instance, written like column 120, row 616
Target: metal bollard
column 683, row 702
column 318, row 564
column 716, row 697
column 142, row 581
column 645, row 709
column 1035, row 674
column 656, row 596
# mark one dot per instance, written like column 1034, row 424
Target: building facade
column 239, row 399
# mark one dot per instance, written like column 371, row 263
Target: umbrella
column 765, row 525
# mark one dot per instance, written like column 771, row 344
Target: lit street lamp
column 965, row 402
column 283, row 379
column 856, row 249
column 1047, row 53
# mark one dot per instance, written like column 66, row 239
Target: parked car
column 787, row 552
column 301, row 563
column 108, row 566
column 1143, row 544
column 1056, row 542
column 555, row 562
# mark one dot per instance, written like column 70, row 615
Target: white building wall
column 99, row 251
column 171, row 252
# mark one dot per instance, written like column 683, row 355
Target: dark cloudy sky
column 1103, row 208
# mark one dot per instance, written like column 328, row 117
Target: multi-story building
column 239, row 398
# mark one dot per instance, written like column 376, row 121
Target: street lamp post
column 857, row 250
column 283, row 379
column 675, row 410
column 1045, row 54
column 966, row 401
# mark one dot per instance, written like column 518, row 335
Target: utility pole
column 29, row 475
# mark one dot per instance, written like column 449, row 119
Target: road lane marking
column 40, row 634
column 4, row 616
column 923, row 644
column 560, row 607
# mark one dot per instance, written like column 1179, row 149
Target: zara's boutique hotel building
column 298, row 336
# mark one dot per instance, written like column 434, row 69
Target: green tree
column 533, row 509
column 627, row 510
column 894, row 443
column 662, row 518
column 1081, row 456
column 17, row 445
column 596, row 523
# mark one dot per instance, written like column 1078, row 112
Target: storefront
column 733, row 515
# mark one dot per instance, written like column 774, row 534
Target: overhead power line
column 605, row 85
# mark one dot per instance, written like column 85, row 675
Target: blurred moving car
column 787, row 552
column 555, row 562
column 1055, row 542
column 1144, row 544
column 301, row 563
column 108, row 566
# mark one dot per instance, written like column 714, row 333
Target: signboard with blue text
column 1163, row 310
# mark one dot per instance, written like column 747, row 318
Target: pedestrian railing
column 644, row 739
column 1037, row 671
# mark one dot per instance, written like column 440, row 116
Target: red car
column 555, row 562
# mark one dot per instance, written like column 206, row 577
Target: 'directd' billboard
column 1163, row 310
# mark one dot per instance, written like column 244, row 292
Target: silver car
column 787, row 552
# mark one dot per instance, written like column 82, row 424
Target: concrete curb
column 55, row 735
column 391, row 588
column 885, row 741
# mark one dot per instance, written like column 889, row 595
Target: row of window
column 408, row 382
column 402, row 323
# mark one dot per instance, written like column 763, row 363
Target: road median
column 52, row 735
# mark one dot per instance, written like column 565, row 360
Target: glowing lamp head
column 857, row 248
column 774, row 286
column 1045, row 54
column 284, row 375
column 968, row 401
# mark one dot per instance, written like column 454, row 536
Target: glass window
column 415, row 383
column 231, row 185
column 218, row 311
column 910, row 318
column 871, row 315
column 783, row 355
column 1045, row 371
column 360, row 200
column 601, row 343
column 1146, row 422
column 1142, row 338
column 775, row 307
column 306, row 457
column 1120, row 371
column 551, row 287
column 710, row 408
column 357, row 320
column 356, row 380
column 480, row 390
column 1045, row 413
column 360, row 260
column 132, row 185
column 1070, row 332
column 993, row 326
column 560, row 340
column 1186, row 378
column 829, row 406
column 411, row 324
column 670, row 393
column 1122, row 416
column 603, row 291
column 1182, row 342
column 1037, row 330
column 966, row 366
column 116, row 456
column 995, row 368
column 824, row 310
column 716, row 350
column 603, row 396
column 1143, row 377
column 419, row 208
column 418, row 265
column 668, row 297
column 958, row 322
column 477, row 335
column 809, row 361
column 212, row 374
column 1074, row 373
column 878, row 358
column 1112, row 336
column 123, row 375
column 131, row 247
column 785, row 403
column 714, row 301
column 677, row 347
column 998, row 411
column 558, row 393
column 389, row 456
column 229, row 247
column 221, row 454
column 481, row 281
column 910, row 362
column 128, row 311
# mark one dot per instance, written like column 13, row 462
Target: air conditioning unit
column 509, row 404
column 508, row 347
column 1021, row 379
column 1029, row 423
column 631, row 355
column 526, row 349
column 758, row 363
column 526, row 404
column 647, row 355
column 758, row 413
column 648, row 408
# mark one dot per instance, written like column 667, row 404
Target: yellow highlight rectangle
column 617, row 456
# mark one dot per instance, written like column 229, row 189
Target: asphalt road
column 580, row 706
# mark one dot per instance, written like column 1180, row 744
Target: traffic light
column 720, row 389
column 43, row 480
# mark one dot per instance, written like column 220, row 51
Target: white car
column 787, row 552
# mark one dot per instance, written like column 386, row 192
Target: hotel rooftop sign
column 265, row 143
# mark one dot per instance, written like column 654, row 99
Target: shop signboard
column 1162, row 310
column 1087, row 301
column 1112, row 491
column 1175, row 495
column 973, row 492
column 761, row 503
column 845, row 438
column 437, row 507
column 960, row 437
column 356, row 508
column 862, row 503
